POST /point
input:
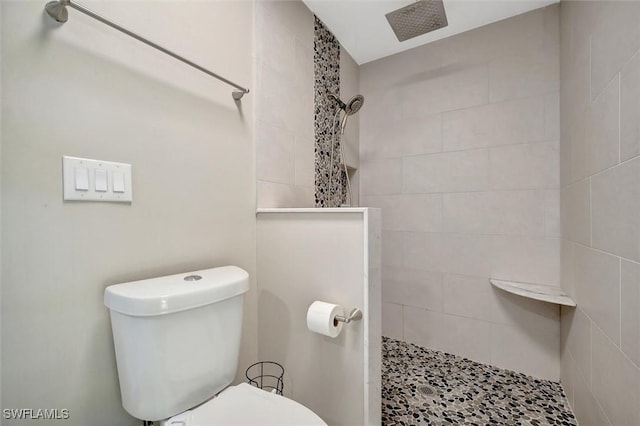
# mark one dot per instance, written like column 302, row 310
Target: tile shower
column 462, row 148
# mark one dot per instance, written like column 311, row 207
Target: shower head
column 354, row 105
column 350, row 108
column 417, row 18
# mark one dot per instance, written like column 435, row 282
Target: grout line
column 603, row 251
column 619, row 116
column 620, row 302
column 590, row 213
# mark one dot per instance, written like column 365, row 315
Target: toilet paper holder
column 354, row 315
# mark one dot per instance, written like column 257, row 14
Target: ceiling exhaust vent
column 417, row 18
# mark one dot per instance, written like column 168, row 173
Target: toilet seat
column 246, row 405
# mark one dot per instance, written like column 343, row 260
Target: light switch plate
column 70, row 193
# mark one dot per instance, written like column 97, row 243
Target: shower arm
column 58, row 11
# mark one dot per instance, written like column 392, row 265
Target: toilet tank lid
column 175, row 293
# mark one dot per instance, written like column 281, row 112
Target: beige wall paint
column 600, row 175
column 459, row 147
column 85, row 90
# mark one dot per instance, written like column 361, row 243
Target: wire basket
column 266, row 375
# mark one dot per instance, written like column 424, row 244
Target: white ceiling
column 361, row 26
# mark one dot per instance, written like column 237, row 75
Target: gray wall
column 600, row 169
column 84, row 90
column 459, row 147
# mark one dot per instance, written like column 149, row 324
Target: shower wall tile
column 597, row 288
column 615, row 381
column 449, row 333
column 630, row 315
column 526, row 166
column 579, row 342
column 460, row 87
column 526, row 259
column 552, row 213
column 284, row 104
column 567, row 377
column 576, row 212
column 276, row 154
column 502, row 123
column 381, row 177
column 532, row 353
column 392, row 321
column 468, row 296
column 596, row 142
column 525, row 74
column 271, row 194
column 630, row 109
column 446, row 172
column 552, row 116
column 567, row 281
column 409, row 212
column 459, row 147
column 413, row 287
column 614, row 40
column 304, row 154
column 496, row 213
column 615, row 201
column 452, row 253
column 586, row 408
column 599, row 129
column 393, row 139
column 524, row 314
column 392, row 248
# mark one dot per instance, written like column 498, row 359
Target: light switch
column 82, row 178
column 101, row 180
column 118, row 182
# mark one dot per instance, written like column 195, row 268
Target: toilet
column 177, row 340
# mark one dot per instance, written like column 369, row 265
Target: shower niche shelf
column 535, row 291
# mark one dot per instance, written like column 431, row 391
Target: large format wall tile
column 576, row 212
column 459, row 147
column 409, row 212
column 630, row 109
column 449, row 333
column 453, row 253
column 413, row 287
column 595, row 143
column 630, row 315
column 597, row 288
column 446, row 172
column 501, row 123
column 527, row 166
column 615, row 206
column 615, row 381
column 600, row 204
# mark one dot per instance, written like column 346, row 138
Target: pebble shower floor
column 425, row 387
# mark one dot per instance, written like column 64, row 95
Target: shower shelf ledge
column 535, row 291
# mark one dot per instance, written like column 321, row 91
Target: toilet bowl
column 247, row 405
column 177, row 341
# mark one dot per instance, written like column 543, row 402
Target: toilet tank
column 176, row 338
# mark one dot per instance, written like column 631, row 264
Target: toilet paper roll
column 321, row 318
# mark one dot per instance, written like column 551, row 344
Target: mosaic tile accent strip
column 425, row 387
column 326, row 59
